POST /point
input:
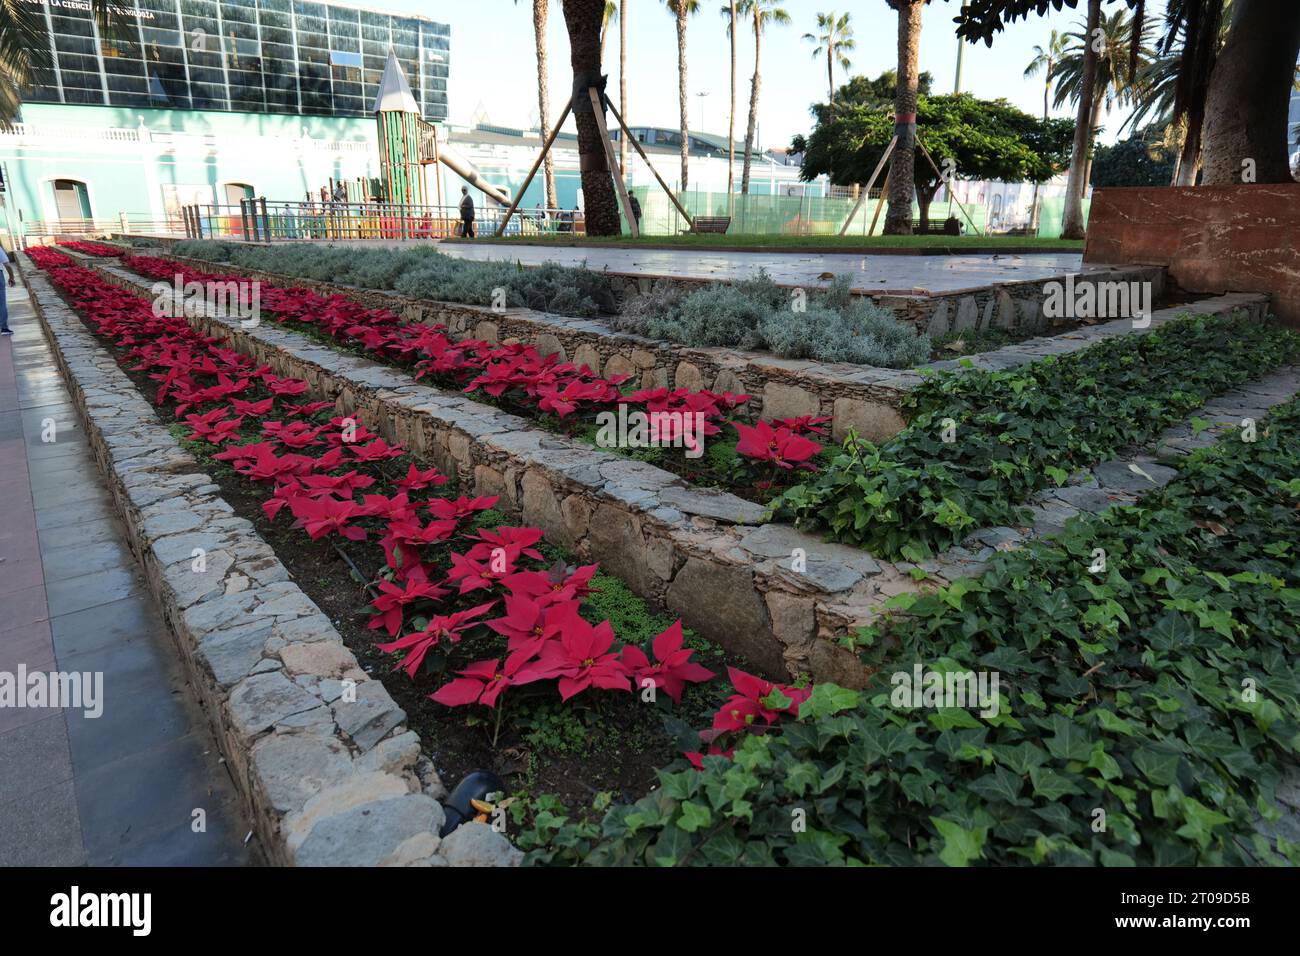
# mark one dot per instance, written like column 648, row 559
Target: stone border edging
column 327, row 780
column 864, row 398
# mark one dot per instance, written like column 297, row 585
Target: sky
column 494, row 77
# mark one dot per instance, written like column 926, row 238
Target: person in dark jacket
column 466, row 213
column 636, row 210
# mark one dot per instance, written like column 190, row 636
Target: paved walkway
column 871, row 273
column 122, row 788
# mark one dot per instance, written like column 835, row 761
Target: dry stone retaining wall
column 319, row 751
column 863, row 398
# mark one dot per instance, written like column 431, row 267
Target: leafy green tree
column 983, row 139
column 1143, row 159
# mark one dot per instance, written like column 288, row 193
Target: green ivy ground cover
column 1148, row 709
column 979, row 443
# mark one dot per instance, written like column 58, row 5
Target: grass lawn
column 883, row 244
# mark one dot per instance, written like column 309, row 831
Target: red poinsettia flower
column 506, row 543
column 780, row 446
column 462, row 507
column 320, row 516
column 416, row 480
column 306, row 410
column 804, row 423
column 377, row 450
column 477, row 575
column 529, row 625
column 673, row 668
column 752, row 702
column 393, row 599
column 482, row 682
column 253, row 409
column 447, row 627
column 556, row 585
column 581, row 658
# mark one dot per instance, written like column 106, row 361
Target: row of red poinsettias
column 331, row 475
column 100, row 249
column 517, row 372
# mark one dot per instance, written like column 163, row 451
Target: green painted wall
column 131, row 177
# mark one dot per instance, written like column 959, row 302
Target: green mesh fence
column 766, row 215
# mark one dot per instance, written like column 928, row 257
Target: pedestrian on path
column 4, row 293
column 636, row 210
column 466, row 213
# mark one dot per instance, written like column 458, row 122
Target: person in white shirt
column 4, row 293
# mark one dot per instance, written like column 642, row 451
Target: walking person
column 466, row 213
column 4, row 293
column 636, row 210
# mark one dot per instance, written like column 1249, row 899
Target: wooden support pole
column 612, row 160
column 555, row 131
column 646, row 159
column 884, row 191
column 870, row 182
column 930, row 159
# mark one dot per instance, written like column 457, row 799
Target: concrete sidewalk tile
column 34, row 756
column 43, row 828
column 104, row 586
column 21, row 609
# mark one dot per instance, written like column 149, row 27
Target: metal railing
column 261, row 220
column 102, row 228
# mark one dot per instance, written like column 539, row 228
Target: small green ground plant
column 979, row 443
column 1148, row 711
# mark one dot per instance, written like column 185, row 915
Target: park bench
column 713, row 224
column 936, row 227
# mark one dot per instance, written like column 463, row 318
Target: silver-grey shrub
column 421, row 272
column 835, row 326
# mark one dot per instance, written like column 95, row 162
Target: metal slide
column 462, row 167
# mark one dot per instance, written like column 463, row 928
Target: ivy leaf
column 960, row 845
column 694, row 816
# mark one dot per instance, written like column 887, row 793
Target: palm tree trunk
column 1072, row 222
column 681, row 92
column 731, row 123
column 902, row 167
column 622, row 82
column 1246, row 107
column 754, row 86
column 582, row 18
column 1098, row 99
column 543, row 107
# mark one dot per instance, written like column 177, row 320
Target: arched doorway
column 71, row 199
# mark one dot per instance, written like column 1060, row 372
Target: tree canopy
column 1144, row 159
column 984, row 139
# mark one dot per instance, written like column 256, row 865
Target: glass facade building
column 259, row 56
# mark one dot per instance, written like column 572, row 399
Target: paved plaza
column 917, row 274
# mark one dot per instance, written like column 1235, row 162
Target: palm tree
column 902, row 166
column 681, row 9
column 1045, row 60
column 610, row 15
column 582, row 19
column 760, row 14
column 622, row 82
column 730, row 11
column 835, row 40
column 1118, row 61
column 1077, row 184
column 540, row 11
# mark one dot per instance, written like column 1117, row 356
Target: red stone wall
column 1211, row 238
